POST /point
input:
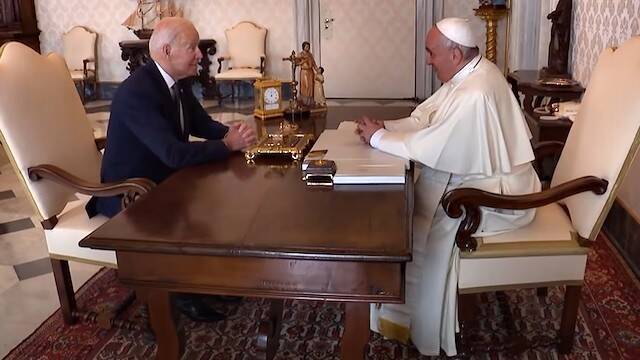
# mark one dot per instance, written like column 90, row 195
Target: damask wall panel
column 211, row 18
column 598, row 24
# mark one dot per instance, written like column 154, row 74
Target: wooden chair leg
column 466, row 305
column 64, row 286
column 569, row 317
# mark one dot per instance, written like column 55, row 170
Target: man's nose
column 198, row 54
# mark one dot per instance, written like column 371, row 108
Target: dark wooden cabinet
column 18, row 23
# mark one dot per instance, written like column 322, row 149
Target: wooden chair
column 46, row 135
column 79, row 49
column 552, row 250
column 245, row 58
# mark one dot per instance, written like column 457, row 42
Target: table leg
column 269, row 334
column 163, row 322
column 356, row 330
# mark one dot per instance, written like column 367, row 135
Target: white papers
column 356, row 162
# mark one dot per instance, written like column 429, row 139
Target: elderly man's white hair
column 166, row 32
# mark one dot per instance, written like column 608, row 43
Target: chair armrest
column 101, row 142
column 130, row 188
column 85, row 62
column 470, row 200
column 220, row 60
column 263, row 58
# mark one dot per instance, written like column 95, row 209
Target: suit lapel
column 172, row 111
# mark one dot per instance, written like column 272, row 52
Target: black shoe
column 194, row 308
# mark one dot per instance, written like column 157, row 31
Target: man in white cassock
column 469, row 133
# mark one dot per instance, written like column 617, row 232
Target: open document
column 356, row 162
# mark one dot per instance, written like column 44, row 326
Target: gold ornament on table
column 285, row 142
column 267, row 94
column 147, row 14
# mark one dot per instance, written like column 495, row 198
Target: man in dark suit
column 152, row 115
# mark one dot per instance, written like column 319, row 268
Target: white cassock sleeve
column 472, row 134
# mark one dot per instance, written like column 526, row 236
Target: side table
column 526, row 82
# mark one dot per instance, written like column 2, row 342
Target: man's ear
column 166, row 50
column 457, row 56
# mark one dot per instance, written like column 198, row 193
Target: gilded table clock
column 268, row 98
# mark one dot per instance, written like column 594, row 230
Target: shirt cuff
column 375, row 138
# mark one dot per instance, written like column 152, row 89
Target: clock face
column 271, row 96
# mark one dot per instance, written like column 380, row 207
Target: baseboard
column 623, row 228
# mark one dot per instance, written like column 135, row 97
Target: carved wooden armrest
column 101, row 142
column 469, row 201
column 130, row 188
column 262, row 60
column 220, row 60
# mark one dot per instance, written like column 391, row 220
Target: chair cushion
column 550, row 224
column 73, row 225
column 489, row 274
column 239, row 74
column 543, row 252
column 79, row 74
column 245, row 44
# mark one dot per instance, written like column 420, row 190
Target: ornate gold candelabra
column 294, row 107
column 491, row 15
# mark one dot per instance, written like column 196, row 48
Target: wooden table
column 136, row 54
column 257, row 230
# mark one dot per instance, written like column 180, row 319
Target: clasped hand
column 239, row 136
column 366, row 127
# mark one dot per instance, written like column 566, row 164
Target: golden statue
column 308, row 69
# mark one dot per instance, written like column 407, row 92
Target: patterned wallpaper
column 211, row 18
column 598, row 24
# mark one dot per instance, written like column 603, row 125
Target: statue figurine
column 318, row 89
column 558, row 62
column 308, row 69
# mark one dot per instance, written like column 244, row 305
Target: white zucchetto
column 457, row 30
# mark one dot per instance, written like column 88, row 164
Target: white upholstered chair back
column 604, row 138
column 246, row 44
column 79, row 44
column 42, row 121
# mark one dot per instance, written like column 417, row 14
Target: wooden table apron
column 257, row 230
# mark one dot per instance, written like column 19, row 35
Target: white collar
column 465, row 71
column 167, row 78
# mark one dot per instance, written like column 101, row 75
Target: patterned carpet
column 608, row 325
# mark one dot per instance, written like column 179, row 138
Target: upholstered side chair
column 79, row 49
column 46, row 135
column 245, row 55
column 553, row 249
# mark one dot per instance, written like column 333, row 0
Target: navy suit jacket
column 144, row 138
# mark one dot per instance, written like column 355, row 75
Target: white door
column 367, row 48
